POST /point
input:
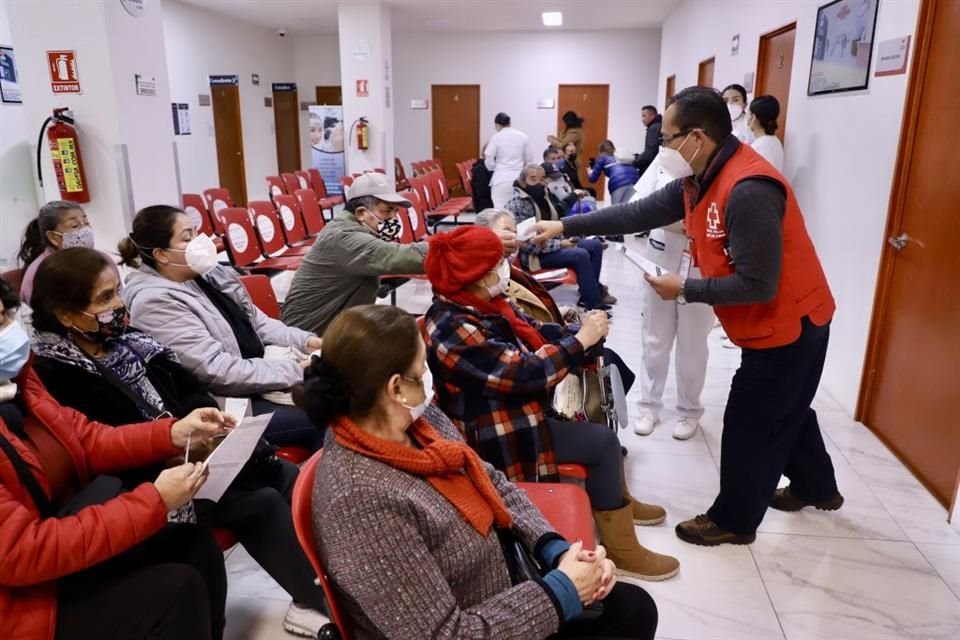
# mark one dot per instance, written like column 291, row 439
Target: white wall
column 514, row 70
column 18, row 193
column 316, row 59
column 199, row 44
column 840, row 150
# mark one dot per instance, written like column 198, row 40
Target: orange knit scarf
column 442, row 462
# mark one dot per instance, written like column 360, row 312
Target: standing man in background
column 763, row 277
column 507, row 153
column 651, row 146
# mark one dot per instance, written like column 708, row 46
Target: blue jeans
column 586, row 259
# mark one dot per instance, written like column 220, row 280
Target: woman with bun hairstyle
column 409, row 519
column 764, row 111
column 187, row 301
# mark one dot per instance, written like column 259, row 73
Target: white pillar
column 366, row 54
column 126, row 139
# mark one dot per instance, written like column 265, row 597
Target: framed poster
column 842, row 46
column 327, row 145
column 9, row 78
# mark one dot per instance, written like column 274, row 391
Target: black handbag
column 522, row 566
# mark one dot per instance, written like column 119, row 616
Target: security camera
column 282, row 33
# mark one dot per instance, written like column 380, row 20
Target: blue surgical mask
column 560, row 164
column 14, row 350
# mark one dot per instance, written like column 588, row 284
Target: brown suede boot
column 632, row 559
column 643, row 514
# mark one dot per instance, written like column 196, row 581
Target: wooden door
column 286, row 118
column 671, row 90
column 592, row 103
column 910, row 377
column 229, row 134
column 774, row 67
column 705, row 72
column 456, row 124
column 330, row 96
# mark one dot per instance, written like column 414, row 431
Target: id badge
column 685, row 263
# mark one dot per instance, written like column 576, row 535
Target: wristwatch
column 681, row 298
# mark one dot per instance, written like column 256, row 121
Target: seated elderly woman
column 530, row 296
column 182, row 297
column 81, row 558
column 90, row 360
column 410, row 520
column 585, row 256
column 496, row 370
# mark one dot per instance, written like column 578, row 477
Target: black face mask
column 110, row 324
column 536, row 191
column 572, row 158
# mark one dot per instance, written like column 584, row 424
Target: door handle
column 899, row 242
column 436, row 148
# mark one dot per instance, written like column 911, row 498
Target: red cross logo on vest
column 713, row 216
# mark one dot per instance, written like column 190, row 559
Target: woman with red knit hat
column 496, row 369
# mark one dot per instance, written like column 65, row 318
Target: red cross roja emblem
column 713, row 216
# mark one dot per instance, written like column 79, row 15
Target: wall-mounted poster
column 842, row 46
column 9, row 80
column 327, row 145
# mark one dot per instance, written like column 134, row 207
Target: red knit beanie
column 461, row 257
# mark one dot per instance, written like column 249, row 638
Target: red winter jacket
column 36, row 552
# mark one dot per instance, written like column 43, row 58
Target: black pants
column 258, row 514
column 596, row 447
column 289, row 426
column 769, row 429
column 172, row 586
column 629, row 613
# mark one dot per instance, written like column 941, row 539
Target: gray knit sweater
column 405, row 564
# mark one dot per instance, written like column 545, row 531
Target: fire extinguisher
column 65, row 153
column 363, row 134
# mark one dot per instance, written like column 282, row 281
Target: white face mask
column 503, row 277
column 673, row 162
column 201, row 255
column 735, row 111
column 417, row 412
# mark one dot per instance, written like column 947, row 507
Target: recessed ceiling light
column 552, row 19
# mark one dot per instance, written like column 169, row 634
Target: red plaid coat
column 495, row 389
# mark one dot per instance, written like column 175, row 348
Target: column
column 366, row 75
column 125, row 133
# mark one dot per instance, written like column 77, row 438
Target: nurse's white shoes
column 685, row 428
column 643, row 426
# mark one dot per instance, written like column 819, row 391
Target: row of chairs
column 290, row 183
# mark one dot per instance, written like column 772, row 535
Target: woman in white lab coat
column 666, row 321
column 736, row 97
column 762, row 119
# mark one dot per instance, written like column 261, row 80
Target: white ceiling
column 311, row 16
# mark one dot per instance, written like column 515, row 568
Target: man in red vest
column 762, row 275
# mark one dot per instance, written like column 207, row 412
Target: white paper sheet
column 644, row 264
column 237, row 407
column 550, row 275
column 226, row 460
column 525, row 229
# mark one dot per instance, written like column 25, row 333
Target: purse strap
column 110, row 376
column 27, row 479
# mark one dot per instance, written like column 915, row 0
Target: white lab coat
column 507, row 153
column 666, row 321
column 741, row 130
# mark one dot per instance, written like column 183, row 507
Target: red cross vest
column 803, row 289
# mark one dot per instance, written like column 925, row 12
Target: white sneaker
column 643, row 426
column 304, row 622
column 685, row 428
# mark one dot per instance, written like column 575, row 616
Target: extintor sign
column 64, row 76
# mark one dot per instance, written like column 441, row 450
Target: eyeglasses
column 667, row 139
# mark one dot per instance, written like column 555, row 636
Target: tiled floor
column 886, row 566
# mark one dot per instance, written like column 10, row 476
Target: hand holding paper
column 228, row 459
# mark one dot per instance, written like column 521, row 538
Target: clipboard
column 644, row 264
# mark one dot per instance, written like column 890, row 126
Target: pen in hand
column 186, row 451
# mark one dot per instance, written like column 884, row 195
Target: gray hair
column 527, row 169
column 489, row 217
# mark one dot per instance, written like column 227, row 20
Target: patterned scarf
column 127, row 356
column 500, row 306
column 452, row 468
